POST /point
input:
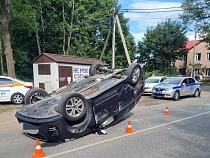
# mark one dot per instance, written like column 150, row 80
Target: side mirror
column 183, row 84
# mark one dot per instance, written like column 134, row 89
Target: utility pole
column 37, row 38
column 115, row 19
column 113, row 40
column 2, row 67
column 193, row 57
column 123, row 40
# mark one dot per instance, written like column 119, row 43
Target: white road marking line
column 127, row 135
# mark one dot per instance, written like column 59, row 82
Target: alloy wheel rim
column 136, row 74
column 36, row 97
column 75, row 106
column 18, row 99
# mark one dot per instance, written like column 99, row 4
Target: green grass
column 206, row 83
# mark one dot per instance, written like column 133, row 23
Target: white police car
column 176, row 87
column 12, row 89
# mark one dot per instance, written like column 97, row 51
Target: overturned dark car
column 88, row 105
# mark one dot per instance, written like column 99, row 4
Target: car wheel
column 35, row 94
column 94, row 69
column 176, row 96
column 134, row 73
column 196, row 93
column 73, row 106
column 17, row 98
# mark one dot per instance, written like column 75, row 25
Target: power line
column 153, row 18
column 159, row 11
column 154, row 8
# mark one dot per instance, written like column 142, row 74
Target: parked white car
column 13, row 90
column 150, row 82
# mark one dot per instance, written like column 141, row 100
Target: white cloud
column 192, row 36
column 139, row 22
column 138, row 36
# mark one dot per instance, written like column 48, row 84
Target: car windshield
column 172, row 81
column 152, row 80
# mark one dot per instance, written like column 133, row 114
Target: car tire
column 35, row 94
column 176, row 95
column 94, row 69
column 73, row 106
column 134, row 73
column 196, row 93
column 17, row 98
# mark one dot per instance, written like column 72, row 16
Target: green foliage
column 197, row 66
column 76, row 28
column 196, row 12
column 162, row 46
column 155, row 72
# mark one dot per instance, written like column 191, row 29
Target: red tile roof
column 70, row 59
column 190, row 44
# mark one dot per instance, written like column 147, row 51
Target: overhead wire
column 154, row 8
column 152, row 11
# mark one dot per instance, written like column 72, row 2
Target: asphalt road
column 206, row 88
column 182, row 134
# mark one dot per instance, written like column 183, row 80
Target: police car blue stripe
column 187, row 85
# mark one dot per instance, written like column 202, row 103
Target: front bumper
column 147, row 91
column 162, row 94
column 51, row 130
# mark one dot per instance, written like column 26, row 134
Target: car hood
column 43, row 109
column 163, row 85
column 150, row 84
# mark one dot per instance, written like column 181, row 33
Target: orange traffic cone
column 129, row 129
column 38, row 151
column 166, row 111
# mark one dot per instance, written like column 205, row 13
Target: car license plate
column 158, row 92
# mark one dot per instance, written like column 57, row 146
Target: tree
column 6, row 19
column 75, row 28
column 196, row 12
column 162, row 46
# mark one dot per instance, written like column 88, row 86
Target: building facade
column 52, row 71
column 198, row 53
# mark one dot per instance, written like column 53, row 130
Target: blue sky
column 139, row 22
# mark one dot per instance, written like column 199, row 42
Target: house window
column 208, row 56
column 184, row 58
column 196, row 71
column 207, row 72
column 198, row 57
column 44, row 69
column 41, row 85
column 182, row 71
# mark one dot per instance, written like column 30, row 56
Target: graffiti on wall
column 80, row 72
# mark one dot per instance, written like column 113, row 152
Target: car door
column 106, row 105
column 192, row 86
column 6, row 89
column 184, row 87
